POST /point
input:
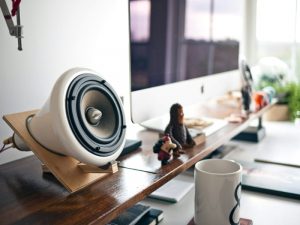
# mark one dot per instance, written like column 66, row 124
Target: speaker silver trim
column 93, row 141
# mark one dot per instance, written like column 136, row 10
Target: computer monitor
column 182, row 51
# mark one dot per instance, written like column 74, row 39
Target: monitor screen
column 175, row 41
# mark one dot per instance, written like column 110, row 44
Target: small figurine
column 247, row 84
column 164, row 147
column 178, row 132
column 260, row 99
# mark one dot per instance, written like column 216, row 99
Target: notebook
column 271, row 179
column 152, row 217
column 131, row 216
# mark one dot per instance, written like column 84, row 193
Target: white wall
column 58, row 35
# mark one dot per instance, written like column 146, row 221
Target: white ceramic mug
column 217, row 192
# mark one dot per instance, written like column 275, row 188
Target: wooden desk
column 30, row 197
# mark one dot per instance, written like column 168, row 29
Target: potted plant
column 293, row 99
column 272, row 72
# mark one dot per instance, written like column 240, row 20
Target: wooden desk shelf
column 30, row 197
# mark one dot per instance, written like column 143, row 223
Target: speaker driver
column 99, row 114
column 82, row 118
column 95, row 114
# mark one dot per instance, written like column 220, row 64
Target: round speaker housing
column 83, row 118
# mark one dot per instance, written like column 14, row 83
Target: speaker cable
column 8, row 141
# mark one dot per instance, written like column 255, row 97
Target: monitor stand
column 252, row 133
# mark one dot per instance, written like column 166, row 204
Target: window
column 278, row 31
column 140, row 22
column 212, row 33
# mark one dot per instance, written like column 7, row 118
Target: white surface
column 59, row 35
column 160, row 123
column 281, row 143
column 186, row 93
column 263, row 209
column 215, row 126
column 173, row 191
column 178, row 213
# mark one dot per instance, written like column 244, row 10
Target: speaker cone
column 95, row 114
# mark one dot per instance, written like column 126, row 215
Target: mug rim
column 239, row 170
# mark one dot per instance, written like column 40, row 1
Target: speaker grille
column 103, row 137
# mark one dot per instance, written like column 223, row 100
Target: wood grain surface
column 30, row 197
column 64, row 168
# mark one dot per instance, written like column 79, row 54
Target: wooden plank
column 30, row 197
column 64, row 168
column 111, row 168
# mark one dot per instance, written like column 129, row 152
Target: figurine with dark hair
column 178, row 132
column 246, row 96
column 247, row 84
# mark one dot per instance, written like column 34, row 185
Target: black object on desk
column 139, row 214
column 252, row 133
column 131, row 216
column 130, row 146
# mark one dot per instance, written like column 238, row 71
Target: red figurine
column 164, row 147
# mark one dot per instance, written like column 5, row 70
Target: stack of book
column 139, row 215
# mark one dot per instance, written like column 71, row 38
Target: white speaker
column 83, row 118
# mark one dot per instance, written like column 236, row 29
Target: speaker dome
column 83, row 118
